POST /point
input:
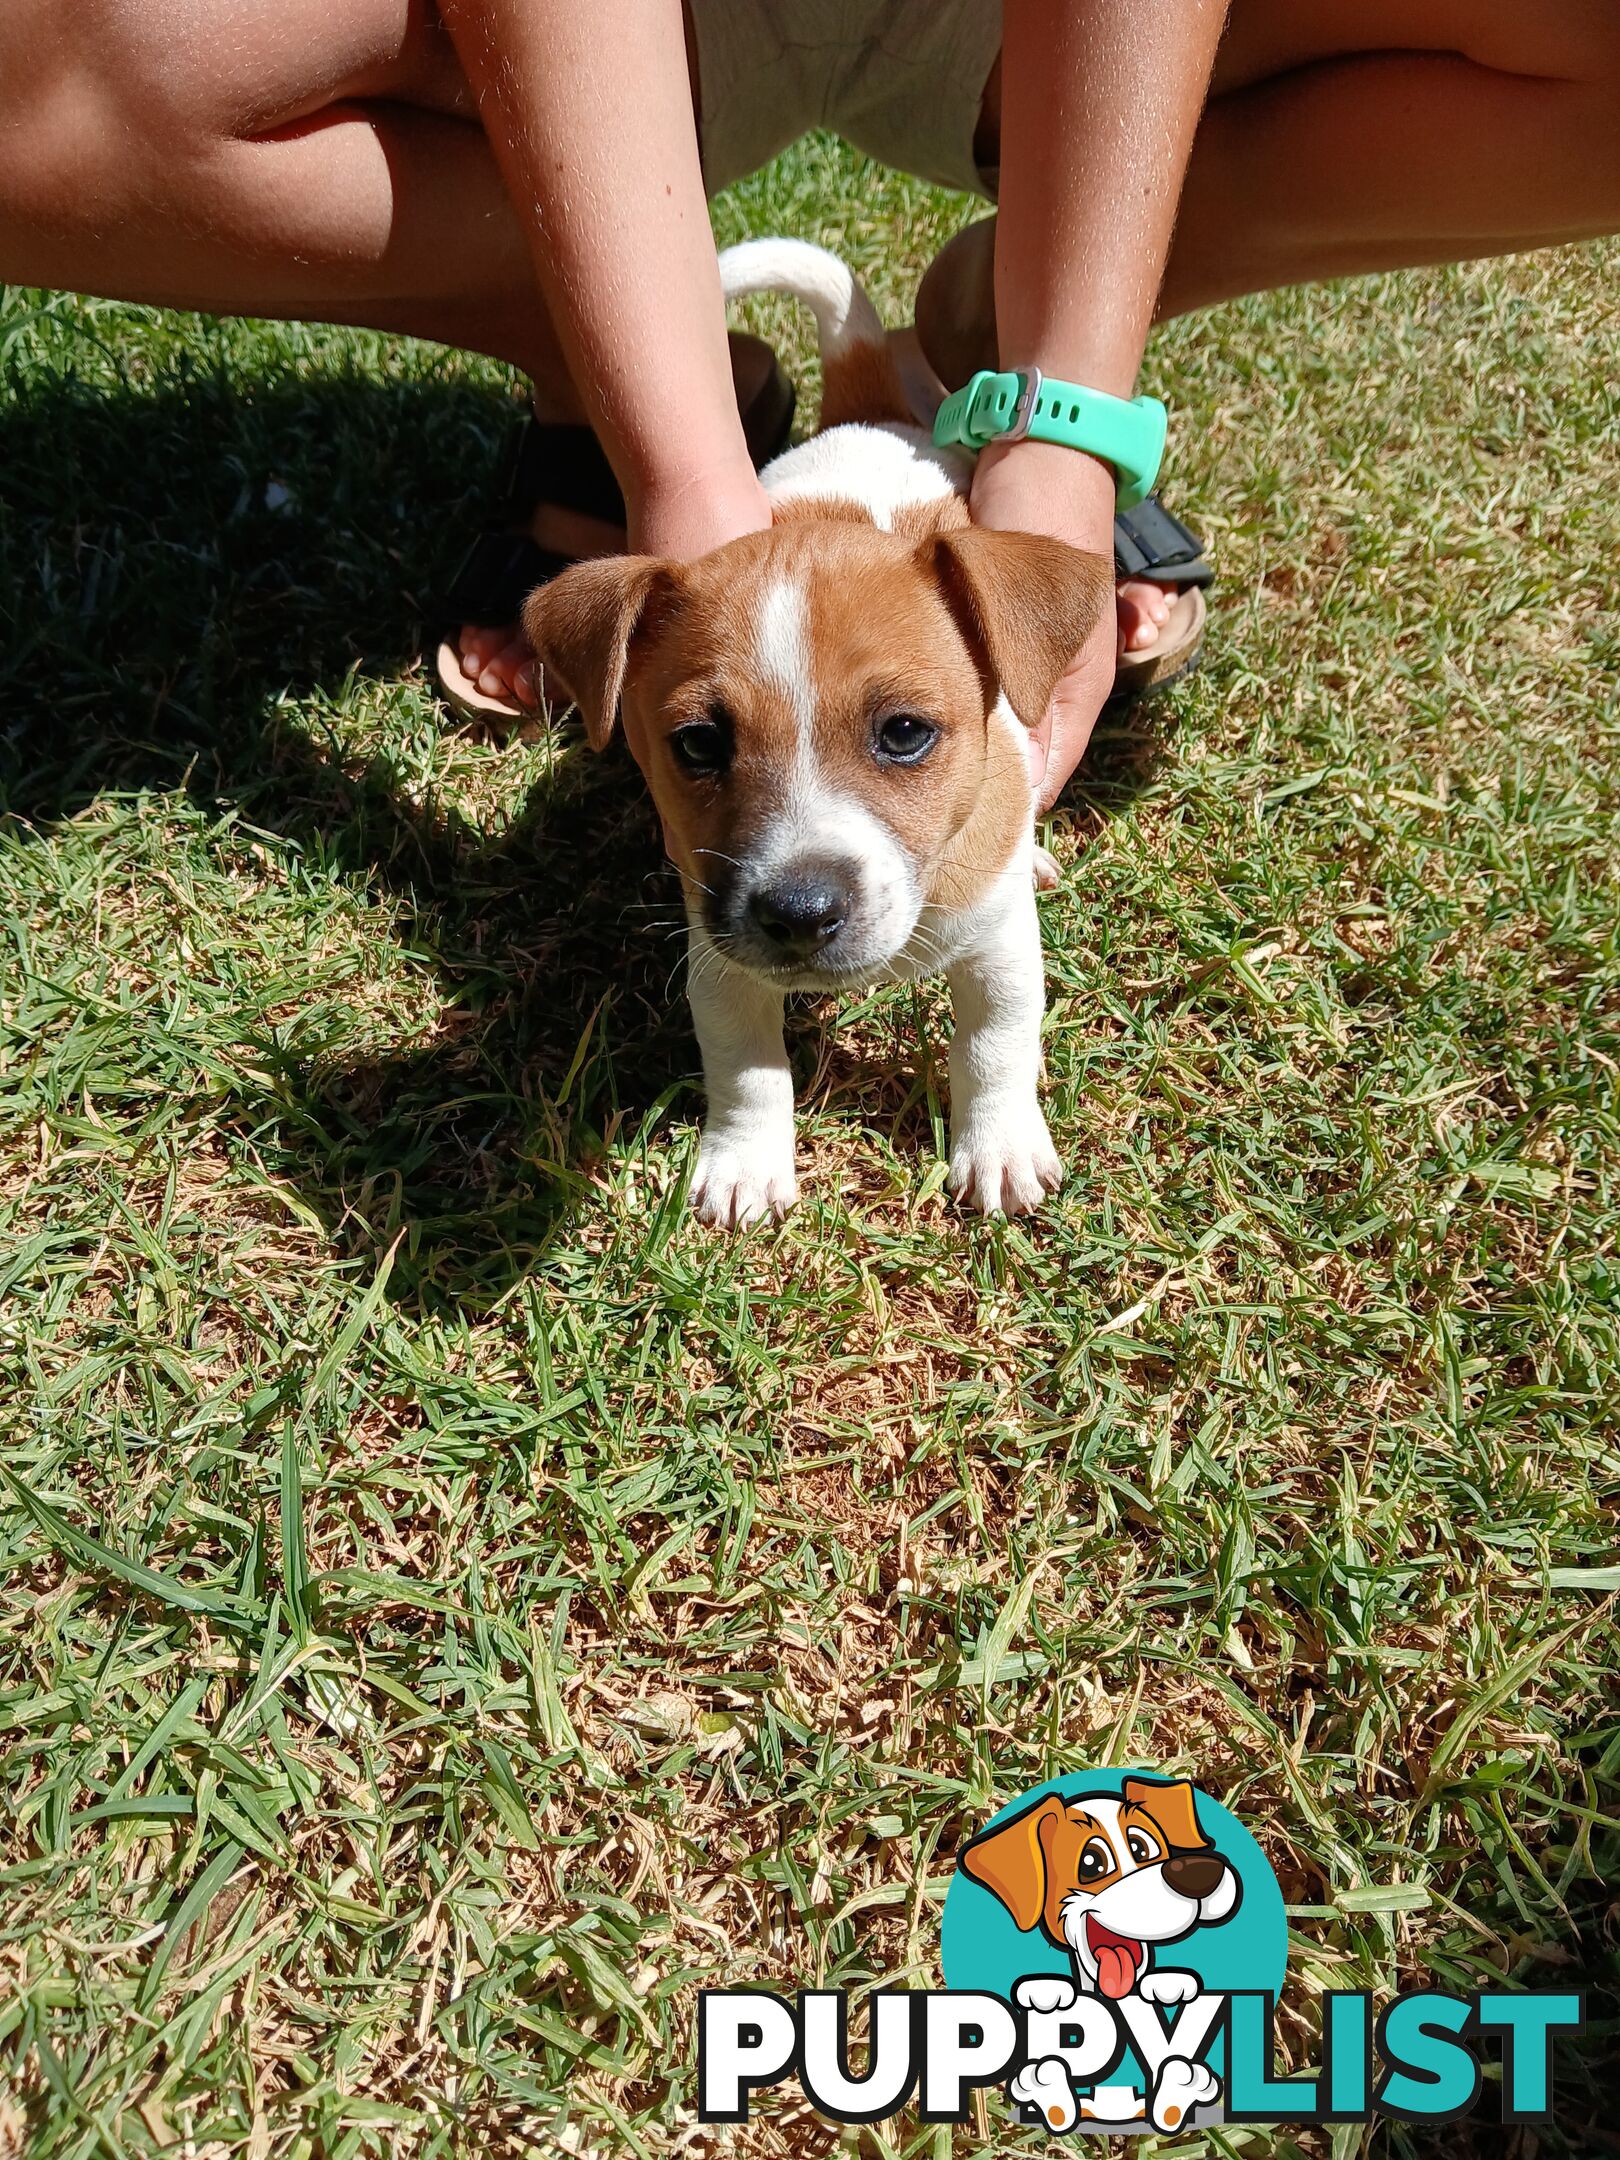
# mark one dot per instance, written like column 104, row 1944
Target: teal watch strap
column 1127, row 433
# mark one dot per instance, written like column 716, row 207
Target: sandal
column 560, row 465
column 1150, row 543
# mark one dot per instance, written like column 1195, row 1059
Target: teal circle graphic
column 982, row 1948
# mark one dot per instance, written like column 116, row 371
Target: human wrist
column 1043, row 487
column 1018, row 405
column 664, row 456
column 1107, row 358
column 688, row 509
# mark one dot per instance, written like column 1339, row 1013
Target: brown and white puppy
column 832, row 719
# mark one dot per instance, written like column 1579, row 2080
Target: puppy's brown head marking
column 815, row 710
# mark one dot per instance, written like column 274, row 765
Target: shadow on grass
column 1130, row 747
column 175, row 567
column 156, row 619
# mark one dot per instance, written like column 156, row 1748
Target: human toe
column 1144, row 609
column 478, row 644
column 506, row 672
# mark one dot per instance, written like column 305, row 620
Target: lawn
column 451, row 1608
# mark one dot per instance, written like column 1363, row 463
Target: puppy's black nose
column 1194, row 1874
column 802, row 912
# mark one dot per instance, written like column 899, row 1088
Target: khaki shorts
column 902, row 80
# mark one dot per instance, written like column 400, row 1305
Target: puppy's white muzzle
column 824, row 896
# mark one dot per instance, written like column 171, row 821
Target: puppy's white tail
column 859, row 378
column 828, row 287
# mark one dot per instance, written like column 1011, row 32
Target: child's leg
column 268, row 157
column 1375, row 134
column 1352, row 135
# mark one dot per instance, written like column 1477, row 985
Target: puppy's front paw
column 1167, row 1986
column 1002, row 1160
column 1180, row 2087
column 1044, row 1992
column 1048, row 871
column 743, row 1178
column 1044, row 2088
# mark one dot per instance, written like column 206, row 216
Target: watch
column 1127, row 433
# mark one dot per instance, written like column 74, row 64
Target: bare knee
column 1576, row 42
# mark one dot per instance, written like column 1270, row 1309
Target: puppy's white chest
column 1003, row 913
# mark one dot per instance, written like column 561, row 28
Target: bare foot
column 499, row 664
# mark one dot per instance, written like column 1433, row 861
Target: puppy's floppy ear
column 1172, row 1808
column 1010, row 1861
column 580, row 626
column 1025, row 603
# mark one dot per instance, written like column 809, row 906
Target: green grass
column 450, row 1608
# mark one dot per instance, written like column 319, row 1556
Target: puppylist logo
column 1113, row 1946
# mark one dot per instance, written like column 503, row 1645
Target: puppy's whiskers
column 708, row 957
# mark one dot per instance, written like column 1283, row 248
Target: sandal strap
column 768, row 420
column 496, row 575
column 557, row 462
column 1151, row 543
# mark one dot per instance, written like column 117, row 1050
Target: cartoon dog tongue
column 1119, row 1959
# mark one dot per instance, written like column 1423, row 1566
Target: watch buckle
column 1024, row 410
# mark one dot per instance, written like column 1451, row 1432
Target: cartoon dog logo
column 1110, row 1878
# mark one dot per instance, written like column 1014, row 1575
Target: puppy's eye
column 1142, row 1847
column 1095, row 1860
column 905, row 738
column 702, row 747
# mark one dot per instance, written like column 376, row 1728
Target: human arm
column 589, row 112
column 1099, row 104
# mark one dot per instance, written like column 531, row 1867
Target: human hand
column 1045, row 488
